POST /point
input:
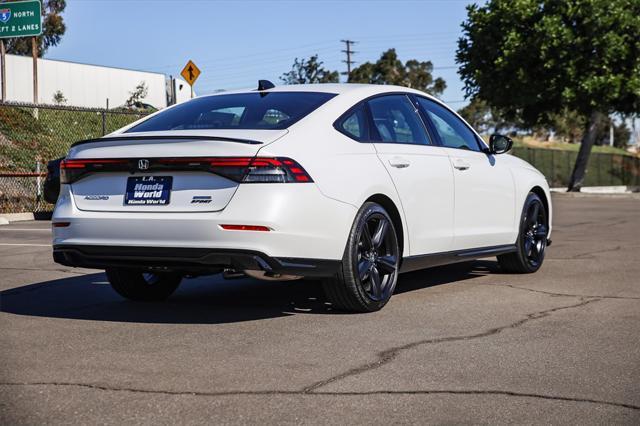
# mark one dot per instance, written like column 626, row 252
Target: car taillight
column 276, row 170
column 260, row 170
column 238, row 169
column 72, row 170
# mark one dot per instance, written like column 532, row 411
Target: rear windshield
column 277, row 110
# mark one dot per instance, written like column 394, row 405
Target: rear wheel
column 532, row 239
column 143, row 286
column 369, row 271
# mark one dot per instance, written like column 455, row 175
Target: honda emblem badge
column 143, row 164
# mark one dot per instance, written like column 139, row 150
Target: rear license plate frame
column 155, row 192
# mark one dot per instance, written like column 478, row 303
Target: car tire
column 532, row 239
column 369, row 271
column 143, row 287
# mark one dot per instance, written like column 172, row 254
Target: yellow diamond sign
column 190, row 73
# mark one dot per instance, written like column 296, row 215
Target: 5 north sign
column 20, row 19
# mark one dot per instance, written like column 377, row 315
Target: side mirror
column 499, row 144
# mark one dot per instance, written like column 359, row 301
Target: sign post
column 34, row 50
column 3, row 71
column 21, row 19
column 190, row 73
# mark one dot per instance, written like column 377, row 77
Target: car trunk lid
column 161, row 173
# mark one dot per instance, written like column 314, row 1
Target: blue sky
column 237, row 42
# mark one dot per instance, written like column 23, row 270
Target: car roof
column 335, row 88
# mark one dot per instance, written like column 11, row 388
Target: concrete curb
column 7, row 218
column 608, row 190
column 621, row 195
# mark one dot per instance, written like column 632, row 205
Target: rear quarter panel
column 343, row 169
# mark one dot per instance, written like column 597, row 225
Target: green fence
column 32, row 135
column 602, row 169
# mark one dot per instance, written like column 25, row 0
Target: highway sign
column 190, row 73
column 20, row 19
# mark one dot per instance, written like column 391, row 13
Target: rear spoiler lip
column 167, row 137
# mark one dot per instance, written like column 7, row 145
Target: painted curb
column 8, row 218
column 622, row 189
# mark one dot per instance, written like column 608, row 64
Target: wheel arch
column 545, row 202
column 391, row 208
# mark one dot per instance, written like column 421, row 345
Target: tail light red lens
column 238, row 169
column 275, row 170
column 245, row 169
column 245, row 228
column 72, row 170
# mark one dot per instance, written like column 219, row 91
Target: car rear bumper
column 189, row 260
column 302, row 223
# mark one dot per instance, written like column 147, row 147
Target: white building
column 85, row 85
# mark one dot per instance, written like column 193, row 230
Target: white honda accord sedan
column 351, row 184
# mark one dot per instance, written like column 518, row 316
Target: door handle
column 461, row 164
column 399, row 162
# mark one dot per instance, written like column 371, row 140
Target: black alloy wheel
column 143, row 286
column 532, row 239
column 377, row 257
column 369, row 272
column 535, row 235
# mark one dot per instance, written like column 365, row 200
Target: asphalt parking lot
column 456, row 344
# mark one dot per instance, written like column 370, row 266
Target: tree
column 484, row 118
column 135, row 97
column 309, row 71
column 537, row 58
column 621, row 133
column 53, row 28
column 568, row 125
column 59, row 98
column 390, row 70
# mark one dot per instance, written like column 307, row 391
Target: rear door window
column 395, row 120
column 355, row 124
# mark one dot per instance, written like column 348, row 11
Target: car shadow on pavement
column 203, row 300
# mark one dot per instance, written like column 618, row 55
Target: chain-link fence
column 602, row 169
column 32, row 135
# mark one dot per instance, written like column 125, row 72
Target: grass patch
column 25, row 139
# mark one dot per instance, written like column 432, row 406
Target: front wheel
column 369, row 270
column 532, row 239
column 143, row 286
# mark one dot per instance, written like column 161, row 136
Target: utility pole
column 349, row 52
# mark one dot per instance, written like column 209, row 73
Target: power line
column 349, row 52
column 325, row 45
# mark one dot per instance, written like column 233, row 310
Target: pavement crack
column 149, row 391
column 66, row 271
column 590, row 254
column 9, row 268
column 487, row 392
column 492, row 392
column 391, row 354
column 550, row 293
